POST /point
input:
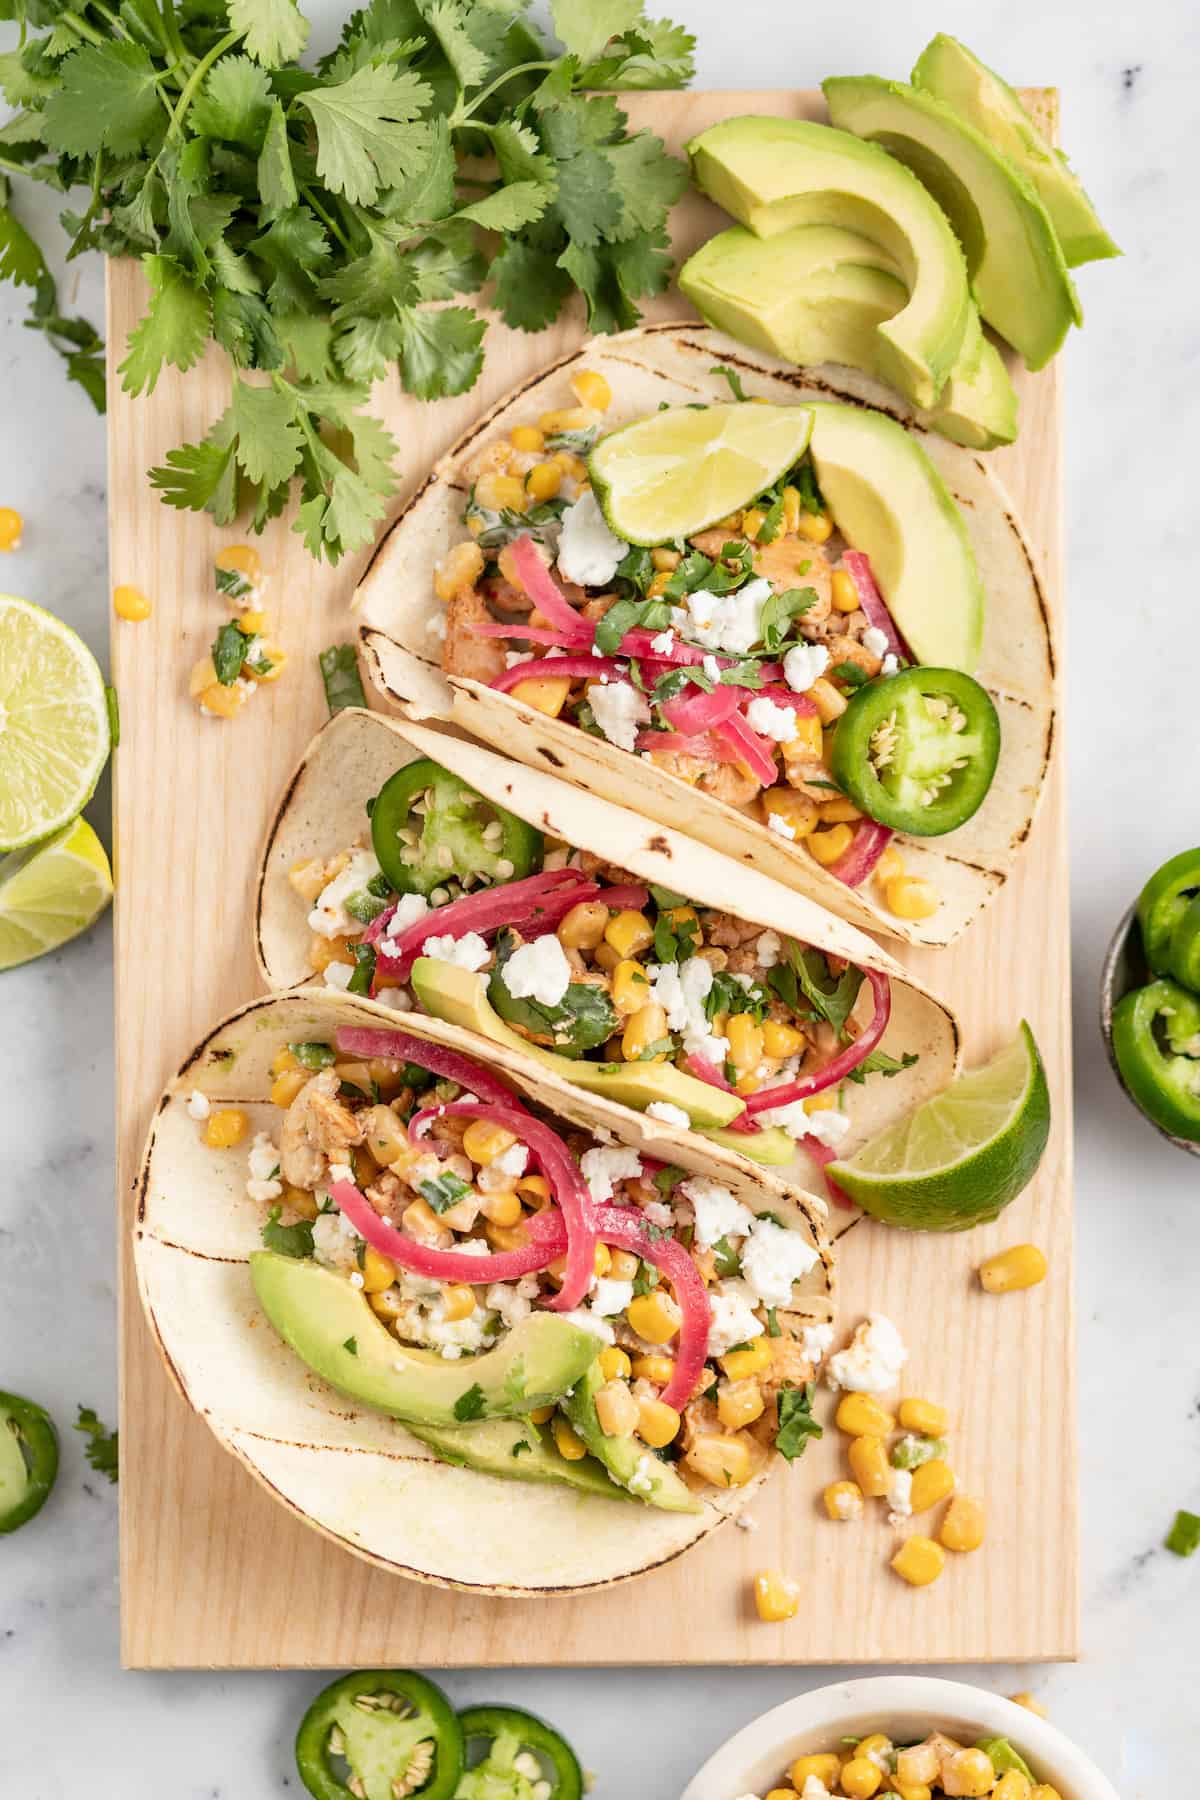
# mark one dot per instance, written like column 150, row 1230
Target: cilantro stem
column 112, row 18
column 461, row 114
column 197, row 76
column 174, row 35
column 327, row 219
column 81, row 28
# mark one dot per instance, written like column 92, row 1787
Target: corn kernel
column 500, row 493
column 459, row 569
column 838, row 812
column 282, row 1060
column 791, row 511
column 931, row 1483
column 629, row 933
column 816, row 527
column 614, row 1364
column 542, row 1415
column 422, row 1222
column 388, row 1306
column 843, row 591
column 827, row 846
column 1031, row 1704
column 781, row 1794
column 646, row 1027
column 527, row 438
column 752, row 520
column 225, row 1129
column 583, row 926
column 543, row 481
column 776, row 1596
column 323, row 951
column 616, row 1409
column 484, row 1142
column 658, row 1424
column 591, row 389
column 861, row 1415
column 919, row 1765
column 796, row 812
column 665, row 560
column 964, row 1526
column 301, row 1200
column 919, row 1561
column 869, row 1466
column 755, row 1359
column 781, row 1040
column 11, row 527
column 912, row 1790
column 724, row 1462
column 824, row 1766
column 506, row 1237
column 285, row 1087
column 968, row 1774
column 130, row 603
column 1044, row 1791
column 254, row 623
column 535, row 1191
column 502, row 1206
column 739, row 1403
column 630, row 986
column 458, row 1300
column 601, row 1260
column 1012, row 1785
column 623, row 1265
column 545, row 693
column 222, row 702
column 923, row 1416
column 825, row 1101
column 745, row 1042
column 830, row 704
column 654, row 1316
column 860, row 1777
column 658, row 1369
column 843, row 1500
column 378, row 1272
column 241, row 559
column 1024, row 1266
column 569, row 418
column 572, row 466
column 569, row 1446
column 809, row 740
column 911, row 899
column 889, row 866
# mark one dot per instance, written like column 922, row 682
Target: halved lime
column 958, row 1160
column 684, row 469
column 50, row 894
column 54, row 733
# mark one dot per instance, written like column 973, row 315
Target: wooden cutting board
column 213, row 1571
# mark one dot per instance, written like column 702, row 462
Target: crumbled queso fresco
column 872, row 1361
column 329, row 917
column 538, row 971
column 588, row 553
column 619, row 710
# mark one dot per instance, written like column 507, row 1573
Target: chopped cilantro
column 522, row 1447
column 880, row 1063
column 470, row 1405
column 850, row 674
column 804, row 480
column 229, row 652
column 339, row 672
column 288, row 1240
column 667, row 897
column 796, row 1422
column 364, row 969
column 732, row 377
column 351, row 1346
column 443, row 1191
column 779, row 611
column 1184, row 1535
column 313, row 1056
column 726, row 1258
column 774, row 1328
column 623, row 616
column 102, row 1449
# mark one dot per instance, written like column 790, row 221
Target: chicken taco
column 787, row 621
column 408, row 1291
column 591, row 950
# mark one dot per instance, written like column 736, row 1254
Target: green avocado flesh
column 460, row 998
column 817, row 294
column 320, row 1316
column 889, row 501
column 515, row 1450
column 776, row 174
column 949, row 71
column 1019, row 277
column 627, row 1459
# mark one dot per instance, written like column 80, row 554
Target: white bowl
column 907, row 1708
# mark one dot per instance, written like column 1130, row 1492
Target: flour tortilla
column 355, row 1475
column 673, row 364
column 324, row 811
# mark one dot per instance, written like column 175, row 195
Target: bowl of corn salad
column 913, row 1737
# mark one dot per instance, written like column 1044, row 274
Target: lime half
column 54, row 734
column 679, row 471
column 51, row 894
column 958, row 1160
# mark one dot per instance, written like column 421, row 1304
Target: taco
column 409, row 1293
column 805, row 632
column 590, row 949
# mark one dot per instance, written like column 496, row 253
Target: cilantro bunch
column 323, row 225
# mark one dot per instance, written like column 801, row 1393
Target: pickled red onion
column 575, row 668
column 756, row 752
column 547, row 1235
column 625, row 1227
column 402, row 1046
column 847, row 1060
column 873, row 604
column 699, row 711
column 545, row 593
column 540, row 900
column 868, row 844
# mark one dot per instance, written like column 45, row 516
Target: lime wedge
column 54, row 733
column 679, row 471
column 958, row 1160
column 51, row 894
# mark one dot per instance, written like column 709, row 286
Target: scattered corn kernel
column 861, row 1415
column 964, row 1526
column 824, row 1766
column 817, row 528
column 781, row 1040
column 809, row 740
column 484, row 1142
column 543, row 481
column 1024, row 1266
column 282, row 1060
column 890, row 866
column 752, row 520
column 869, row 1466
column 285, row 1087
column 527, row 438
column 591, row 389
column 601, row 1259
column 830, row 704
column 723, row 1462
column 498, row 493
column 1013, row 1785
column 583, row 926
column 623, row 1265
column 323, row 951
column 745, row 1041
column 664, row 560
column 241, row 559
column 130, row 603
column 739, row 1403
column 379, row 1272
column 614, row 1364
column 796, row 812
column 616, row 1409
column 541, row 1415
column 825, row 1101
column 458, row 1300
column 843, row 591
column 225, row 1128
column 645, row 1028
column 843, row 1500
column 1031, row 1703
column 460, row 568
column 932, row 1482
column 658, row 1369
column 568, row 1444
column 777, row 1597
column 911, row 899
column 920, row 1764
column 655, row 1317
column 630, row 986
column 968, row 1775
column 755, row 1359
column 827, row 846
column 658, row 1424
column 923, row 1416
column 860, row 1777
column 502, row 1206
column 569, row 418
column 1044, row 1791
column 919, row 1561
column 838, row 812
column 11, row 527
column 912, row 1790
column 221, row 701
column 546, row 694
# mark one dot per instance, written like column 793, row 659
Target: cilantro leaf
column 796, row 1422
column 779, row 611
column 339, row 672
column 470, row 1405
column 364, row 971
column 229, row 652
column 314, row 1056
column 276, row 177
column 850, row 674
column 649, row 181
column 108, row 99
column 520, row 203
column 198, row 477
column 733, row 378
column 449, row 21
column 654, row 54
column 235, row 102
column 276, row 31
column 103, row 1447
column 287, row 1240
column 350, row 1346
column 804, row 974
column 585, row 26
column 174, row 329
column 1184, row 1535
column 880, row 1063
column 20, row 259
column 530, row 285
column 269, row 440
column 441, row 350
column 369, row 135
column 443, row 1191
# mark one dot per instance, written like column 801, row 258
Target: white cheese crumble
column 664, row 643
column 513, row 658
column 587, row 1321
column 398, row 998
column 890, row 664
column 604, row 1167
column 829, row 1128
column 769, row 949
column 774, row 1259
column 329, row 918
column 729, row 622
column 331, row 1246
column 468, row 952
column 779, row 825
column 409, row 908
column 609, row 1298
column 538, row 971
column 513, row 1302
column 619, row 709
column 815, row 1341
column 588, row 553
column 718, row 1214
column 712, row 669
column 899, row 1495
column 666, row 1114
column 847, row 1505
column 731, row 1305
column 814, row 1789
column 198, row 1105
column 658, row 1213
column 746, row 1522
column 872, row 1360
column 642, row 1479
column 875, row 641
column 803, row 664
column 681, row 990
column 770, row 721
column 338, row 975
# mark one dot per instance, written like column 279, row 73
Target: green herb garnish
column 443, row 1191
column 796, row 1422
column 470, row 1405
column 1184, row 1535
column 313, row 1056
column 103, row 1448
column 288, row 1240
column 339, row 672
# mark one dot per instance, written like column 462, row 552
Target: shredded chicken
column 843, row 649
column 464, row 651
column 317, row 1130
column 728, row 931
column 730, row 782
column 789, row 1365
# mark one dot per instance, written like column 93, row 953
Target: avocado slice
column 819, row 294
column 1019, row 276
column 889, row 501
column 332, row 1329
column 460, row 998
column 952, row 73
column 632, row 1466
column 516, row 1450
column 775, row 174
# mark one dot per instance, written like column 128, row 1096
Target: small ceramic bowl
column 1125, row 969
column 907, row 1708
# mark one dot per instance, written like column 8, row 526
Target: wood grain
column 213, row 1572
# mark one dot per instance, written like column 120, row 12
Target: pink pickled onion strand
column 868, row 844
column 801, row 705
column 822, row 1154
column 873, row 604
column 533, row 634
column 847, row 1060
column 539, row 899
column 703, row 1070
column 575, row 668
column 625, row 1227
column 623, row 899
column 698, row 711
column 547, row 1241
column 757, row 753
column 640, row 643
column 703, row 746
column 575, row 1202
column 545, row 592
column 402, row 1046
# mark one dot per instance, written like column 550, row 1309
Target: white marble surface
column 70, row 1722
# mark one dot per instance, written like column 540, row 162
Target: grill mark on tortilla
column 551, row 756
column 659, row 843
